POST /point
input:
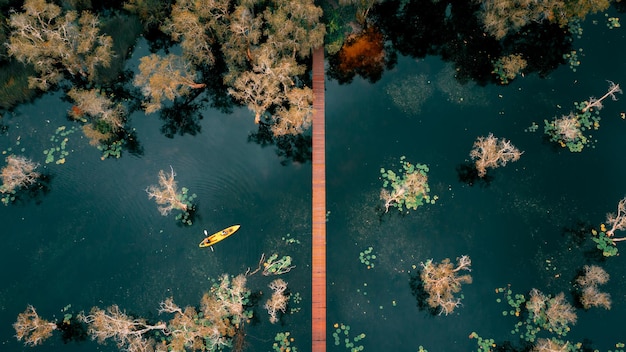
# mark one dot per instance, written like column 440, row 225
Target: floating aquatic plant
column 290, row 240
column 295, row 299
column 275, row 266
column 112, row 150
column 407, row 188
column 282, row 342
column 604, row 242
column 367, row 257
column 572, row 130
column 187, row 214
column 612, row 22
column 547, row 313
column 342, row 332
column 484, row 345
column 58, row 152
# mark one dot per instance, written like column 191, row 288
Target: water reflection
column 289, row 148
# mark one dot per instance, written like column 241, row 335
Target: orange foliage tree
column 363, row 54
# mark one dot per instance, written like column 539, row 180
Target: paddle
column 206, row 234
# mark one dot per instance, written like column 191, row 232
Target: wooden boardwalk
column 319, row 206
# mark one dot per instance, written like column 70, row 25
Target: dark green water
column 509, row 228
column 96, row 239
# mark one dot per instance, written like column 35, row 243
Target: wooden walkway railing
column 319, row 206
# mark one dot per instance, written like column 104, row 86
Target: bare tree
column 550, row 345
column 278, row 301
column 166, row 193
column 31, row 328
column 441, row 281
column 550, row 313
column 590, row 295
column 126, row 331
column 18, row 172
column 597, row 103
column 593, row 275
column 491, row 152
column 617, row 221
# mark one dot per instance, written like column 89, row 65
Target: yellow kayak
column 218, row 236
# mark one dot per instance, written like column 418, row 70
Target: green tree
column 56, row 43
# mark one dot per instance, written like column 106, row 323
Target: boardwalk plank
column 319, row 207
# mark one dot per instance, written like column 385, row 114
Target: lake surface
column 96, row 239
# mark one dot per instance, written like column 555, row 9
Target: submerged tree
column 506, row 68
column 278, row 301
column 605, row 238
column 168, row 197
column 112, row 323
column 569, row 130
column 554, row 314
column 223, row 310
column 102, row 117
column 492, row 152
column 55, row 42
column 406, row 189
column 19, row 172
column 212, row 327
column 442, row 280
column 594, row 103
column 163, row 78
column 31, row 328
column 588, row 282
column 552, row 345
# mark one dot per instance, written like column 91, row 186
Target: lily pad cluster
column 185, row 216
column 484, row 345
column 113, row 150
column 539, row 312
column 59, row 150
column 342, row 334
column 604, row 242
column 282, row 342
column 275, row 266
column 407, row 187
column 367, row 257
column 290, row 240
column 295, row 300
